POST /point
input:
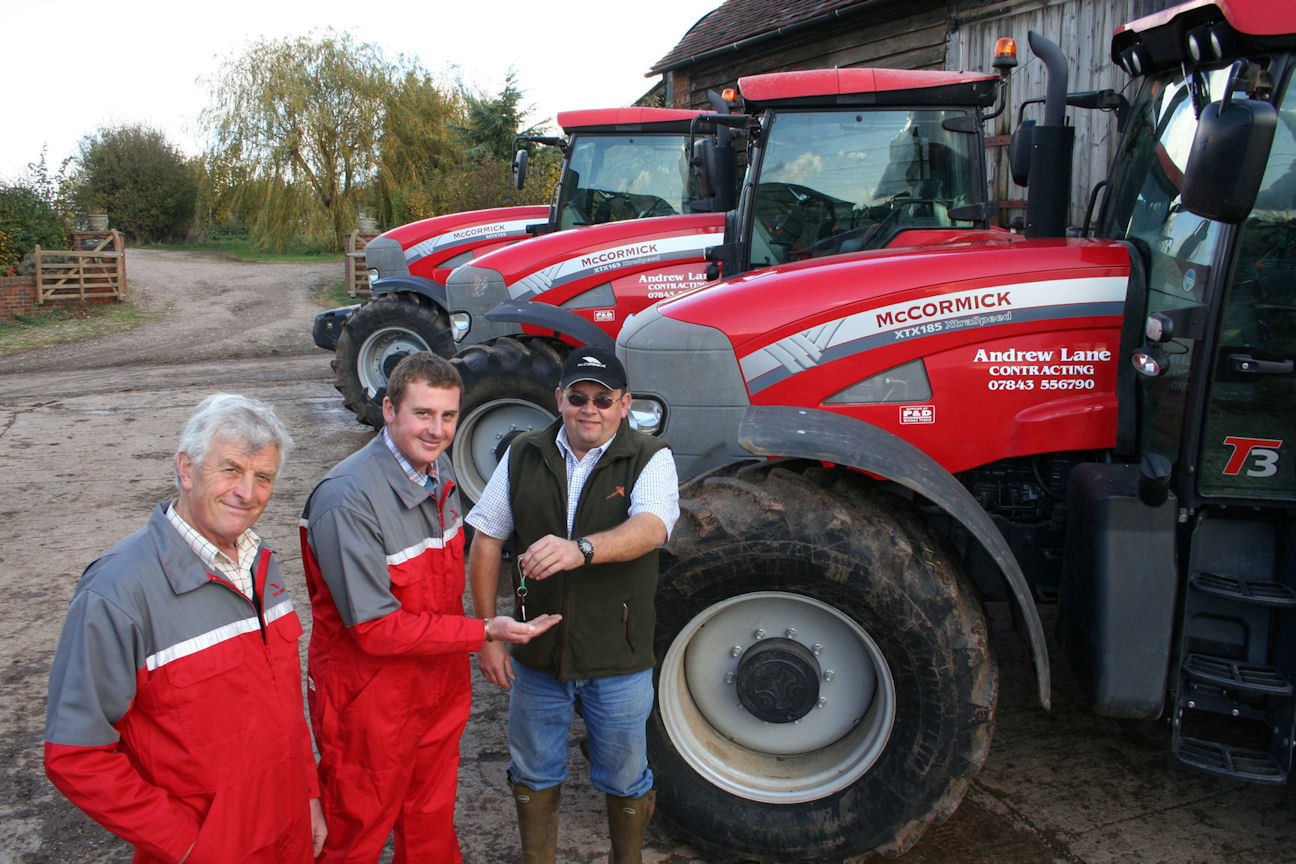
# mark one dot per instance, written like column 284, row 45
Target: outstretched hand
column 494, row 661
column 503, row 628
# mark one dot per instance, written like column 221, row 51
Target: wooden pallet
column 357, row 274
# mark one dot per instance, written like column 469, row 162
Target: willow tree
column 301, row 118
column 448, row 148
column 417, row 146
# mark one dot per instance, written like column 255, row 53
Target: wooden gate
column 93, row 272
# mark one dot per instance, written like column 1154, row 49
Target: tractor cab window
column 616, row 177
column 841, row 181
column 1180, row 250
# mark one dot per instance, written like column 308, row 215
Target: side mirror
column 519, row 168
column 700, row 163
column 713, row 168
column 1019, row 152
column 1228, row 156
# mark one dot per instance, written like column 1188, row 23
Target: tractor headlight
column 460, row 323
column 647, row 415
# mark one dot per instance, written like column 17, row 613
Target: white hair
column 230, row 416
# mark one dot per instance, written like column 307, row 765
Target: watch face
column 586, row 548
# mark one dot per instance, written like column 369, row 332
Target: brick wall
column 17, row 296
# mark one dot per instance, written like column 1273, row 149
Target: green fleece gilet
column 607, row 609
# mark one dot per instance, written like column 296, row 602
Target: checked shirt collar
column 238, row 573
column 428, row 481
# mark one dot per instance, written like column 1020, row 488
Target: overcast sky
column 73, row 67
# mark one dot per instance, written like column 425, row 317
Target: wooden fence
column 92, row 272
column 357, row 274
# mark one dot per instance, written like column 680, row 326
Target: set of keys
column 521, row 589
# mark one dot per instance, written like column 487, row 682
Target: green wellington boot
column 538, row 818
column 627, row 820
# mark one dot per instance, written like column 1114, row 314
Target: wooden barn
column 743, row 37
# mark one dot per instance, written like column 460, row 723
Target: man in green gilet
column 586, row 501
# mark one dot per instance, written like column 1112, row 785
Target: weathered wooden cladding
column 1083, row 29
column 908, row 36
column 941, row 34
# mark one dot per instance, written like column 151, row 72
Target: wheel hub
column 796, row 755
column 778, row 680
column 484, row 433
column 506, row 440
column 391, row 360
column 379, row 354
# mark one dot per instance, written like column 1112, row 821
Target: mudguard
column 554, row 318
column 780, row 430
column 434, row 291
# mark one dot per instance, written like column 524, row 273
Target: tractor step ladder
column 1231, row 587
column 1221, row 693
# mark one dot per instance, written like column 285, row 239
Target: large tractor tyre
column 508, row 389
column 825, row 681
column 375, row 339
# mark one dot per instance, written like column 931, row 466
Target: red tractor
column 619, row 164
column 517, row 311
column 874, row 442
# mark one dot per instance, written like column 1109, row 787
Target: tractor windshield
column 841, row 181
column 614, row 177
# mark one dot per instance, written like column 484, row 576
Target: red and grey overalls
column 388, row 679
column 175, row 714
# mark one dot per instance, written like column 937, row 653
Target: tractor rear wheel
column 826, row 686
column 508, row 389
column 375, row 339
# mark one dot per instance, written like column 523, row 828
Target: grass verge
column 67, row 324
column 334, row 295
column 240, row 249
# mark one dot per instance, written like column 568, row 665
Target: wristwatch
column 586, row 548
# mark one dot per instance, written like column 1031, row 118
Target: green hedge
column 27, row 220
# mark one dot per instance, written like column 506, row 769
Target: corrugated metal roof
column 741, row 20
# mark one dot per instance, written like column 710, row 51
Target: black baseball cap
column 591, row 363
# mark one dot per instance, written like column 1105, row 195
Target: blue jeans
column 615, row 710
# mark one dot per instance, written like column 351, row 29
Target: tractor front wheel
column 375, row 339
column 826, row 686
column 509, row 387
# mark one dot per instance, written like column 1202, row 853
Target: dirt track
column 87, row 434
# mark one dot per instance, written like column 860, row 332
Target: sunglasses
column 578, row 400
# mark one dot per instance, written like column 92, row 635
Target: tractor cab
column 1204, row 192
column 619, row 164
column 844, row 160
column 1218, row 381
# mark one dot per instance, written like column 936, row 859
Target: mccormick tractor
column 873, row 442
column 516, row 312
column 919, row 134
column 619, row 164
